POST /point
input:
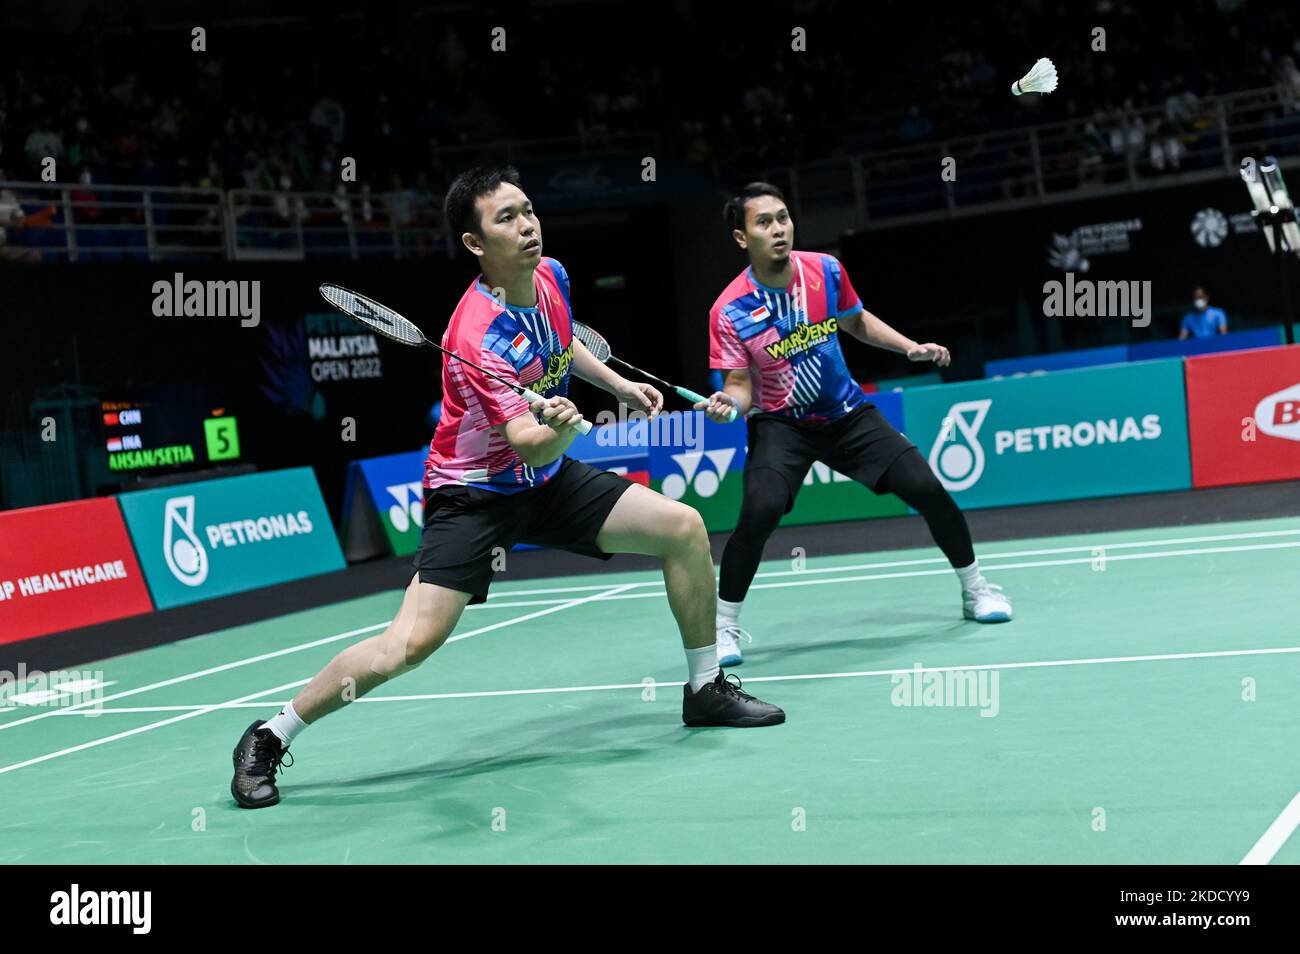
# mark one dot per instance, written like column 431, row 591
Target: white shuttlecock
column 1040, row 79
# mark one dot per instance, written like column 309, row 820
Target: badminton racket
column 392, row 325
column 601, row 351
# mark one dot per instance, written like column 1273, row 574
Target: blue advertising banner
column 383, row 495
column 383, row 502
column 704, row 469
column 1144, row 351
column 1091, row 432
column 215, row 537
column 1232, row 341
column 890, row 405
column 1056, row 361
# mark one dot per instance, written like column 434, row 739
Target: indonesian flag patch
column 519, row 343
column 759, row 313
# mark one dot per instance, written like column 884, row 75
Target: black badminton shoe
column 722, row 702
column 257, row 756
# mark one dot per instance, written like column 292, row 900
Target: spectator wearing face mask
column 1203, row 321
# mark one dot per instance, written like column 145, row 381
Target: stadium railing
column 1037, row 165
column 81, row 222
column 78, row 222
column 1033, row 165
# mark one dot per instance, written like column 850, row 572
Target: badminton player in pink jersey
column 496, row 476
column 774, row 333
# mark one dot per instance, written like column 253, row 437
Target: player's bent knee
column 760, row 518
column 686, row 527
column 424, row 642
column 406, row 647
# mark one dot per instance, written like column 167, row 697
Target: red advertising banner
column 1243, row 412
column 66, row 565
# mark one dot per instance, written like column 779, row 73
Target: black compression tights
column 909, row 478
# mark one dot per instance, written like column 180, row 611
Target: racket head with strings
column 380, row 318
column 390, row 324
column 600, row 350
column 593, row 340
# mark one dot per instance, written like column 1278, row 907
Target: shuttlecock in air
column 1040, row 79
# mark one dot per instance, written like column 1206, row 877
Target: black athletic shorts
column 463, row 525
column 860, row 445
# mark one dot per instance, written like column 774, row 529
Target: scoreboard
column 158, row 435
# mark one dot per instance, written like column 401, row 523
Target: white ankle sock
column 969, row 575
column 286, row 725
column 702, row 666
column 728, row 613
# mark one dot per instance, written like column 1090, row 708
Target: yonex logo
column 363, row 310
column 185, row 556
column 409, row 509
column 1278, row 415
column 704, row 482
column 959, row 464
column 820, row 473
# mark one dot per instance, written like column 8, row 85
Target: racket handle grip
column 694, row 398
column 532, row 397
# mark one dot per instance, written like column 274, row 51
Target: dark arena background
column 210, row 479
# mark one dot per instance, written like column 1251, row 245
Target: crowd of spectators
column 411, row 94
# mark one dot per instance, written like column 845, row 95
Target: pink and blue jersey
column 530, row 346
column 786, row 338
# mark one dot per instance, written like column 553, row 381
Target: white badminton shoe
column 985, row 603
column 729, row 636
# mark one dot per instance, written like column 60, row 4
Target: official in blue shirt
column 1203, row 321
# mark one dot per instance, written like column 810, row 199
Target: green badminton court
column 1141, row 708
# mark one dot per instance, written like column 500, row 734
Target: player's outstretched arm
column 540, row 444
column 867, row 328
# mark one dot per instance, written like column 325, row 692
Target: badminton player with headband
column 774, row 332
column 496, row 476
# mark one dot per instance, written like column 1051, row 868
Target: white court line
column 1157, row 555
column 247, row 661
column 944, row 571
column 293, row 649
column 1051, row 551
column 973, row 667
column 129, row 732
column 559, row 604
column 499, row 595
column 1276, row 836
column 290, row 685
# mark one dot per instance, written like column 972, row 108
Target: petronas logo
column 182, row 548
column 957, row 457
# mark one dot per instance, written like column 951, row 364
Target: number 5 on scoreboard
column 223, row 438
